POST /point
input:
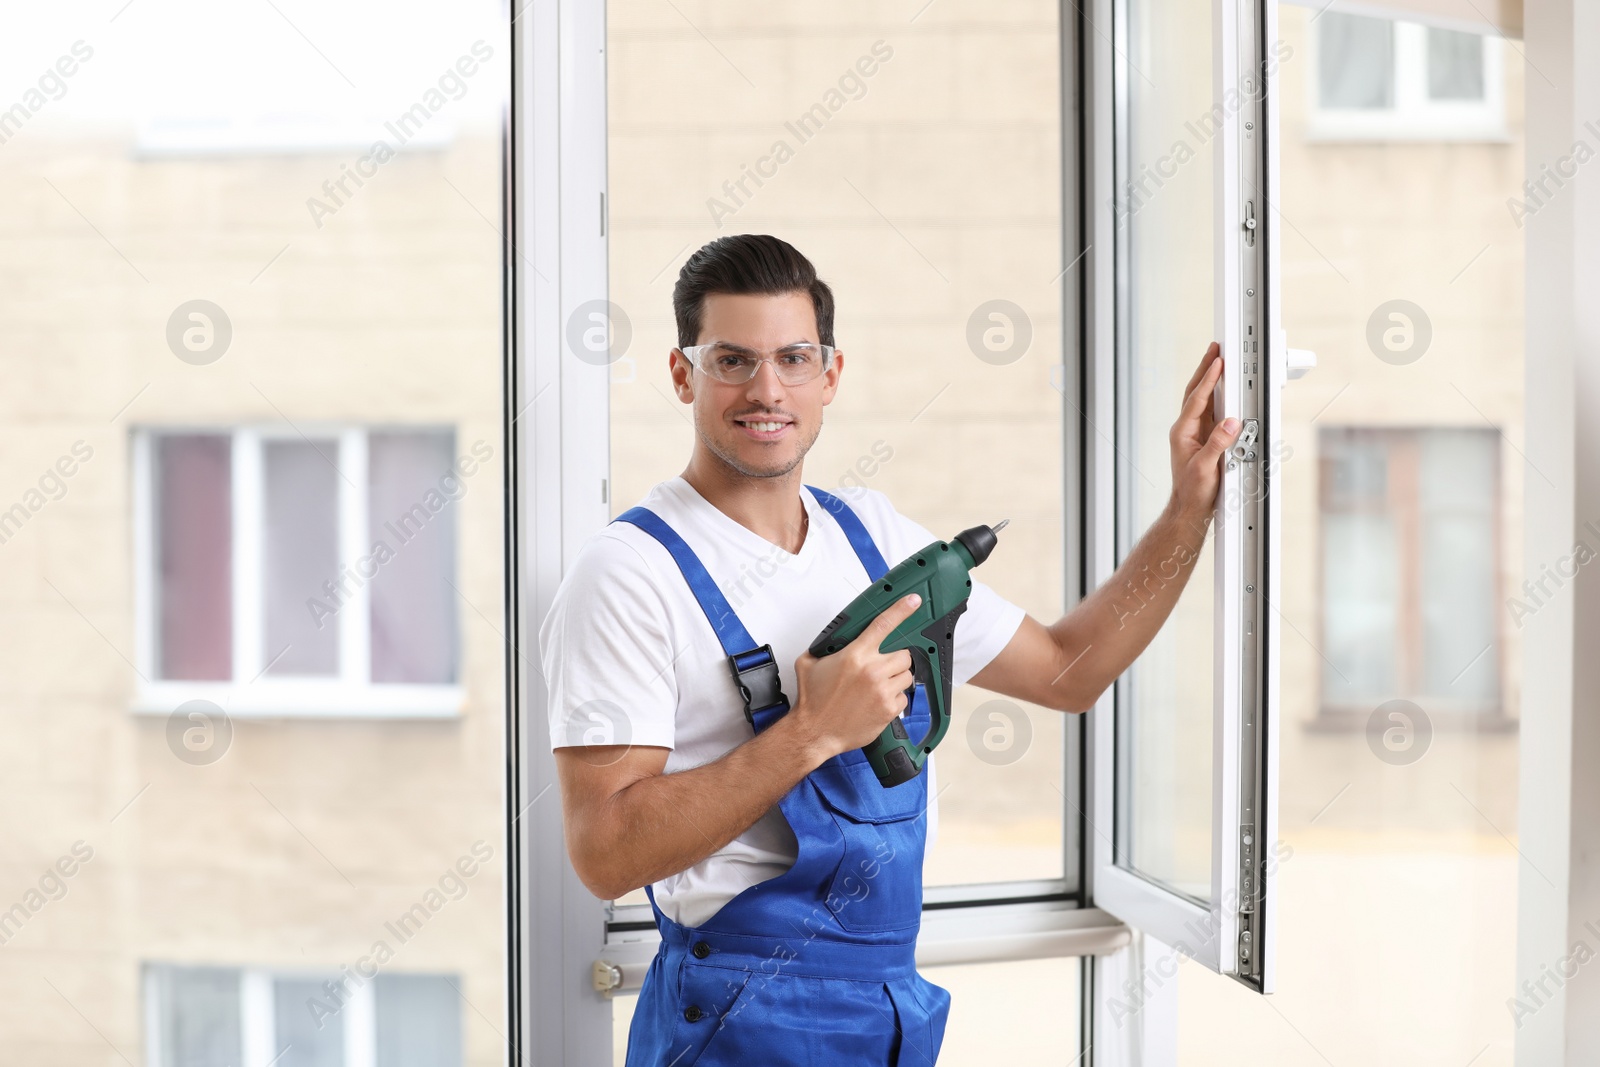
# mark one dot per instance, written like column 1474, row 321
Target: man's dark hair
column 747, row 263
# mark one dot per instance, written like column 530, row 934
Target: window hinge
column 1249, row 893
column 1245, row 447
column 1248, row 890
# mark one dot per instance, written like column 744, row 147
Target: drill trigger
column 941, row 634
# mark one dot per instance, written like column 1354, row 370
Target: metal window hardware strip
column 1248, row 458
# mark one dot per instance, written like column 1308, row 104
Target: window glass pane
column 988, row 1001
column 307, row 1038
column 1402, row 528
column 1361, row 584
column 194, row 524
column 212, row 265
column 1457, row 483
column 1164, row 239
column 200, row 1027
column 412, row 513
column 1455, row 65
column 1361, row 563
column 419, row 1021
column 300, row 552
column 1355, row 61
column 870, row 144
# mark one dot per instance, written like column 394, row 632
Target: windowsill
column 1327, row 128
column 305, row 699
column 980, row 934
column 1345, row 720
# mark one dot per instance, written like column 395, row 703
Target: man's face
column 723, row 412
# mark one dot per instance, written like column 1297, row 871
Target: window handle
column 1296, row 361
column 1299, row 361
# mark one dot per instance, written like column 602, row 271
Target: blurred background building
column 282, row 745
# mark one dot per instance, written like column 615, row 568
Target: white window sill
column 981, row 934
column 268, row 135
column 1330, row 128
column 281, row 698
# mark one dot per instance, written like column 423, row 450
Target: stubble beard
column 731, row 459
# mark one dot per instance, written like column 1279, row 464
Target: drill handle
column 894, row 757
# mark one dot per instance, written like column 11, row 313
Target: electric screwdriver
column 940, row 574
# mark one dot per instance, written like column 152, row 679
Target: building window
column 204, row 1016
column 1410, row 565
column 1375, row 79
column 283, row 573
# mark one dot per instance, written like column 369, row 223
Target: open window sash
column 1229, row 929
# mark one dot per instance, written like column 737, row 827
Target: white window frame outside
column 187, row 136
column 252, row 693
column 257, row 1018
column 1486, row 715
column 1414, row 116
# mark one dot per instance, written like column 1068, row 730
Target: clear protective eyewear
column 734, row 364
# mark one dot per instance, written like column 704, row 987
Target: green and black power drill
column 940, row 574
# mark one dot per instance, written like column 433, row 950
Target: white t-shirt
column 630, row 657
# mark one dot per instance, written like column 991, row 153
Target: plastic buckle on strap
column 756, row 674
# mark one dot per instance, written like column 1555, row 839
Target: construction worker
column 786, row 882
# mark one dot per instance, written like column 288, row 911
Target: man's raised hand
column 1198, row 442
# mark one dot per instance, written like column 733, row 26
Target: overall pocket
column 878, row 883
column 711, row 1003
column 922, row 1009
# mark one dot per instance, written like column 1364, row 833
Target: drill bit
column 1001, row 525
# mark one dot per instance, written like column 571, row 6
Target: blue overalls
column 816, row 967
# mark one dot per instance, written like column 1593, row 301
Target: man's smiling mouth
column 764, row 427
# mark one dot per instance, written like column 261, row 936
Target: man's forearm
column 666, row 823
column 1110, row 627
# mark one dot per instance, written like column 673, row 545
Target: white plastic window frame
column 1218, row 932
column 570, row 951
column 1414, row 116
column 251, row 693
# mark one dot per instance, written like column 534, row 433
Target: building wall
column 295, row 848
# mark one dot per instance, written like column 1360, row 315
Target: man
column 785, row 881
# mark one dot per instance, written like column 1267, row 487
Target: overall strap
column 755, row 669
column 730, row 631
column 860, row 540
